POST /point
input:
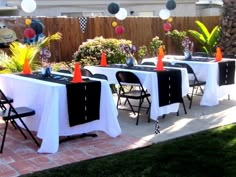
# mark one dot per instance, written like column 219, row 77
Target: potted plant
column 20, row 52
column 155, row 44
column 89, row 52
column 208, row 40
column 177, row 37
column 142, row 52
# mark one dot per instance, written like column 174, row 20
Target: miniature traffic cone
column 103, row 60
column 26, row 67
column 77, row 74
column 159, row 66
column 218, row 54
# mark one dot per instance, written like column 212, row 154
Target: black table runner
column 139, row 68
column 83, row 99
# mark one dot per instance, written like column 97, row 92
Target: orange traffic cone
column 77, row 74
column 159, row 66
column 218, row 54
column 26, row 67
column 103, row 60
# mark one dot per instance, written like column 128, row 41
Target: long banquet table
column 149, row 81
column 49, row 100
column 205, row 70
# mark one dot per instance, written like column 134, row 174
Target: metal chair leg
column 4, row 136
column 32, row 136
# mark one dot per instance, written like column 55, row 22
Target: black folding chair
column 86, row 72
column 148, row 63
column 194, row 83
column 200, row 54
column 64, row 71
column 226, row 73
column 126, row 78
column 10, row 113
column 3, row 101
column 99, row 76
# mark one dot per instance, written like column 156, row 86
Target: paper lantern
column 113, row 8
column 170, row 19
column 122, row 14
column 28, row 5
column 164, row 14
column 29, row 33
column 170, row 5
column 167, row 26
column 27, row 21
column 119, row 30
column 114, row 24
column 37, row 26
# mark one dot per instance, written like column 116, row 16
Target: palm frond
column 203, row 29
column 198, row 36
column 213, row 38
column 46, row 41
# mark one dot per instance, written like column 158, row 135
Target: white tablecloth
column 50, row 103
column 149, row 81
column 205, row 71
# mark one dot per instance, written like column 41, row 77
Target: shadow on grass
column 211, row 153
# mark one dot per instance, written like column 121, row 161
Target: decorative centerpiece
column 129, row 51
column 188, row 47
column 45, row 54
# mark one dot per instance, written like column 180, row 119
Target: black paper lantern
column 113, row 8
column 170, row 5
column 37, row 26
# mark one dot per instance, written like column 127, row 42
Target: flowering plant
column 187, row 45
column 188, row 48
column 155, row 44
column 128, row 49
column 89, row 52
column 142, row 51
column 177, row 37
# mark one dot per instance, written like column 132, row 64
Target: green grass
column 210, row 153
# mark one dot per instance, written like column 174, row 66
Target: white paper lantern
column 28, row 5
column 164, row 14
column 121, row 14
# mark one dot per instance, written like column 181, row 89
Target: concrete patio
column 20, row 156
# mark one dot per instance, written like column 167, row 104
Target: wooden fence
column 140, row 30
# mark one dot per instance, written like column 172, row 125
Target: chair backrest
column 200, row 54
column 3, row 100
column 86, row 72
column 127, row 77
column 189, row 70
column 184, row 65
column 229, row 56
column 64, row 71
column 148, row 63
column 226, row 72
column 6, row 104
column 166, row 63
column 100, row 76
column 169, row 87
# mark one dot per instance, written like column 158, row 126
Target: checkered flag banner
column 83, row 23
column 157, row 127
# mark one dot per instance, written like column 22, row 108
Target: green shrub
column 89, row 52
column 177, row 37
column 155, row 44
